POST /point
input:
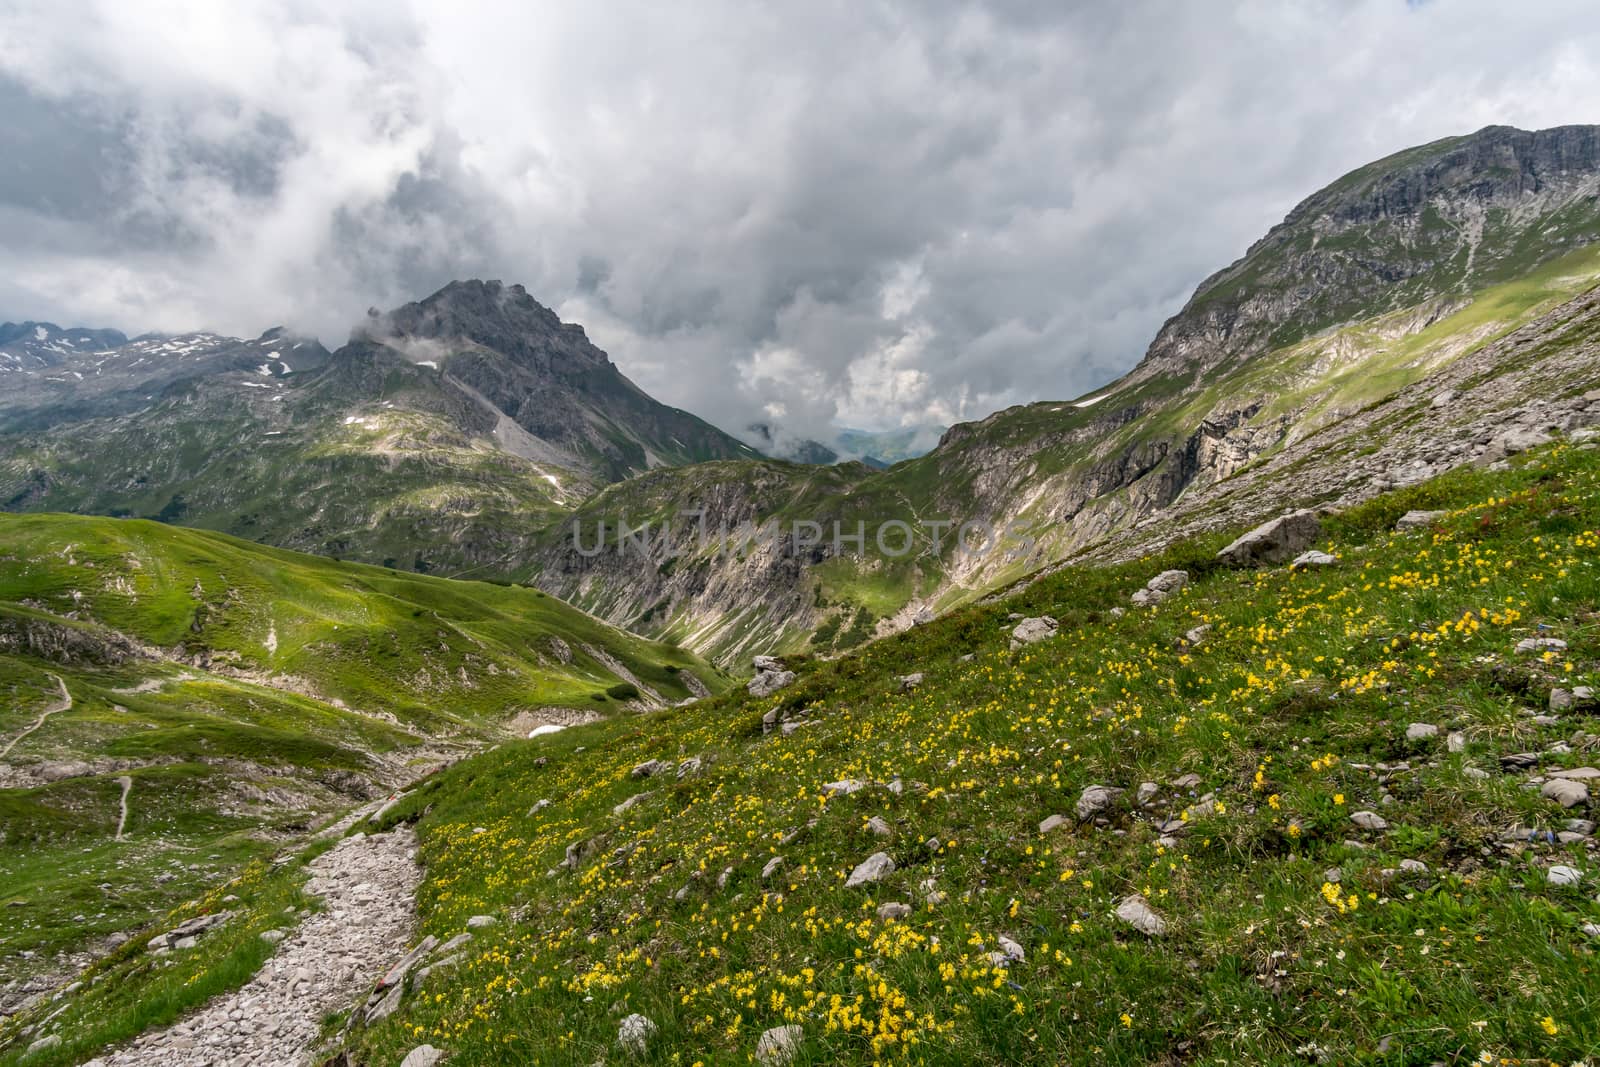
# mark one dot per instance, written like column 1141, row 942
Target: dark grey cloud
column 861, row 214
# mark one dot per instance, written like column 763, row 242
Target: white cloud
column 865, row 213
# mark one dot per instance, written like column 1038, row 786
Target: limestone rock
column 874, row 868
column 635, row 1033
column 1031, row 631
column 1137, row 913
column 1369, row 820
column 1276, row 541
column 1415, row 520
column 768, row 682
column 1096, row 799
column 1561, row 874
column 1565, row 791
column 779, row 1046
column 1160, row 588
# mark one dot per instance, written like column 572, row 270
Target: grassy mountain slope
column 1285, row 713
column 245, row 693
column 1295, row 931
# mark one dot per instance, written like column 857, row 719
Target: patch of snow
column 1093, row 400
column 40, row 333
column 256, row 385
column 547, row 728
column 427, row 363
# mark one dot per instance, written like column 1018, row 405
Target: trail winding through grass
column 122, row 818
column 63, row 704
column 333, row 957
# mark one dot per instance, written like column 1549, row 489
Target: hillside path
column 331, row 959
column 63, row 704
column 122, row 819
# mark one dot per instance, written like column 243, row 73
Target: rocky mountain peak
column 1440, row 219
column 493, row 315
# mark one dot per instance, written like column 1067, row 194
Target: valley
column 235, row 698
column 351, row 712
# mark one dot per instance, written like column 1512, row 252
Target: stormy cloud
column 817, row 214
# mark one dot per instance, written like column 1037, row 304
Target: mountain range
column 381, row 578
column 474, row 433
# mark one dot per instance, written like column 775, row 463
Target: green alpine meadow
column 792, row 535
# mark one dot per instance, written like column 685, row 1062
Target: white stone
column 1565, row 791
column 635, row 1033
column 1096, row 799
column 1561, row 874
column 874, row 868
column 1412, row 520
column 1137, row 913
column 779, row 1046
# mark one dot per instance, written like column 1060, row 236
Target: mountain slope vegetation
column 244, row 695
column 1346, row 791
column 437, row 440
column 1268, row 708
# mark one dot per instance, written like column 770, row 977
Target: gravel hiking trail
column 326, row 964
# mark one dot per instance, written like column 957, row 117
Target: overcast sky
column 867, row 214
